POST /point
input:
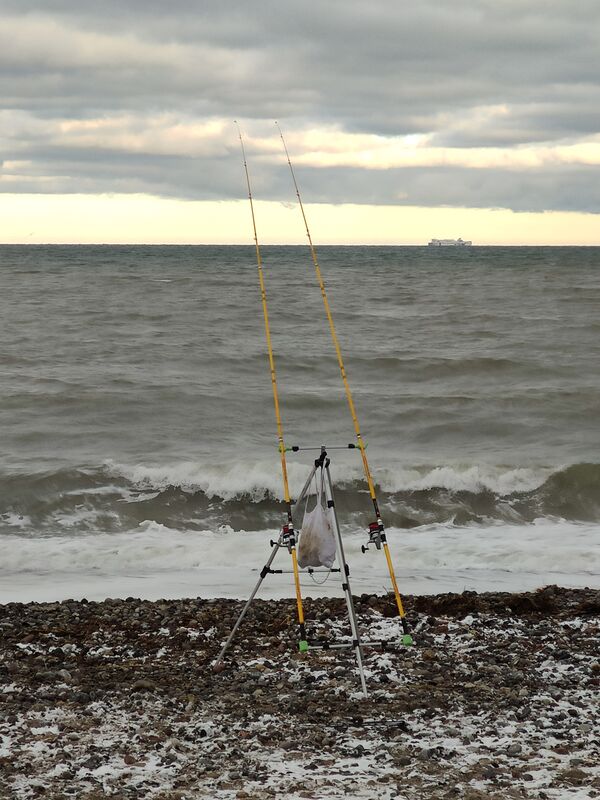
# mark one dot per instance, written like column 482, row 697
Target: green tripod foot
column 407, row 640
column 303, row 646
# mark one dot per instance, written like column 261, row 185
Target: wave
column 457, row 367
column 247, row 496
column 154, row 561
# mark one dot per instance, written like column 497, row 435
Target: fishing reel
column 288, row 536
column 375, row 532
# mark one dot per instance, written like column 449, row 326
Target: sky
column 438, row 118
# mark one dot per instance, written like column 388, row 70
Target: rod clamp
column 322, row 461
column 376, row 535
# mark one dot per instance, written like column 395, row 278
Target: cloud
column 469, row 102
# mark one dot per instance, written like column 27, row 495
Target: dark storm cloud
column 468, row 74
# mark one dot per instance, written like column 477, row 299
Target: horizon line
column 287, row 244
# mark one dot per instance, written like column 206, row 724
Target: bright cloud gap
column 470, row 106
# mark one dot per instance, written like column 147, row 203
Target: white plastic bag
column 316, row 547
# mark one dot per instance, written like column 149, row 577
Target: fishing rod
column 377, row 535
column 288, row 536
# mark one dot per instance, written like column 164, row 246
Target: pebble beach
column 498, row 698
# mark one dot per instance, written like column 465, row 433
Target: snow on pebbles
column 499, row 698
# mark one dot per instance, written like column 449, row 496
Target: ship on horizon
column 449, row 243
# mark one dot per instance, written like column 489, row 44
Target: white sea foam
column 254, row 478
column 155, row 561
column 500, row 480
column 97, row 490
column 227, row 481
column 82, row 515
column 14, row 520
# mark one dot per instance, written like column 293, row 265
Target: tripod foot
column 407, row 640
column 303, row 646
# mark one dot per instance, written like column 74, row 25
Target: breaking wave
column 247, row 496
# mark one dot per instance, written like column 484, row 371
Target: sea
column 138, row 446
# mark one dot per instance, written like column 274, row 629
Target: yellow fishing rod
column 288, row 537
column 377, row 534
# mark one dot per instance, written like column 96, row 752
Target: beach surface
column 498, row 698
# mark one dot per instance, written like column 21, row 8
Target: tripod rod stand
column 322, row 463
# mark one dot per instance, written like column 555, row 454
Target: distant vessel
column 449, row 243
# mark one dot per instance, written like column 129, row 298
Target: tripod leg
column 346, row 585
column 264, row 572
column 306, row 487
